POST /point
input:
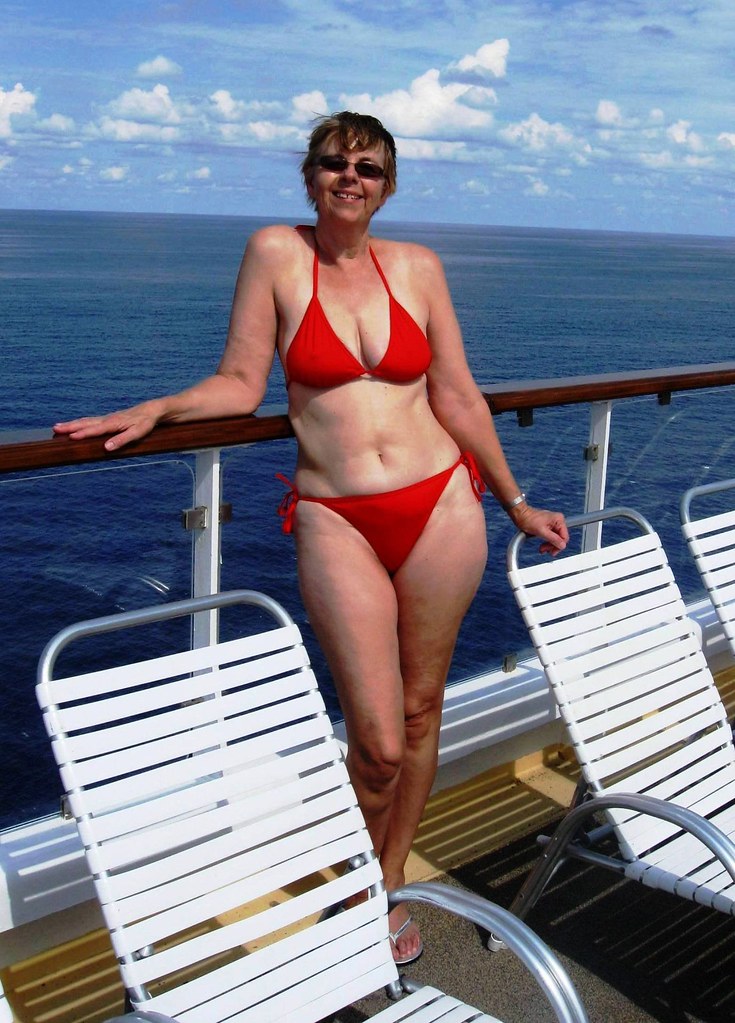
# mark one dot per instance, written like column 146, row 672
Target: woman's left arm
column 458, row 404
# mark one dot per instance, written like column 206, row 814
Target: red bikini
column 391, row 522
column 318, row 358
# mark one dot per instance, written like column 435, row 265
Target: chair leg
column 551, row 858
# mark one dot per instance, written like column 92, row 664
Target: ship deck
column 635, row 955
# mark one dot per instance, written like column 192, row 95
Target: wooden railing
column 40, row 449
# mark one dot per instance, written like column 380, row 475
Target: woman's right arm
column 237, row 387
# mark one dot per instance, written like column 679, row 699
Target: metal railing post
column 206, row 555
column 597, row 454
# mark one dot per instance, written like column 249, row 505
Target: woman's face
column 348, row 191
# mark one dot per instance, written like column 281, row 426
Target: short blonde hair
column 352, row 131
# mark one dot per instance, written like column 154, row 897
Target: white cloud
column 608, row 113
column 132, row 131
column 727, row 138
column 309, row 105
column 15, row 103
column 691, row 160
column 426, row 108
column 67, row 169
column 201, row 174
column 424, row 149
column 114, row 173
column 159, row 67
column 537, row 188
column 58, row 124
column 480, row 96
column 492, row 57
column 657, row 161
column 234, row 111
column 269, row 131
column 537, row 134
column 138, row 105
column 474, row 187
column 226, row 106
column 680, row 133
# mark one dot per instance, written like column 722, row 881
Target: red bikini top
column 318, row 358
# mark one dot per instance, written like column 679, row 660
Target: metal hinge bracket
column 525, row 416
column 510, row 663
column 198, row 518
column 592, row 452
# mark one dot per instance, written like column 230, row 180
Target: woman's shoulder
column 276, row 240
column 408, row 257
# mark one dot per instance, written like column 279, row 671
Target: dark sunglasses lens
column 332, row 163
column 368, row 170
column 337, row 164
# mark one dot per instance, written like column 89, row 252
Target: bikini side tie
column 287, row 507
column 468, row 460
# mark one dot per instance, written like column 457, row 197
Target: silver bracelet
column 515, row 502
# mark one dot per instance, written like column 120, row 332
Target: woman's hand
column 548, row 526
column 125, row 426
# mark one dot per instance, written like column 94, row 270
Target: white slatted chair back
column 640, row 706
column 711, row 541
column 206, row 784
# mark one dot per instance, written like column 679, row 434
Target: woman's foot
column 405, row 939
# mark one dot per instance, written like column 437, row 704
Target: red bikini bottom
column 391, row 522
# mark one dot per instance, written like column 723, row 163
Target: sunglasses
column 337, row 164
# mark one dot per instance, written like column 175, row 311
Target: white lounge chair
column 711, row 540
column 642, row 712
column 216, row 814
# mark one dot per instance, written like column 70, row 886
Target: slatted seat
column 642, row 712
column 217, row 818
column 711, row 540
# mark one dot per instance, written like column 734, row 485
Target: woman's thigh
column 436, row 585
column 351, row 604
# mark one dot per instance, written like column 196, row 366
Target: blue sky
column 604, row 114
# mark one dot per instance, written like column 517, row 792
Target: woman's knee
column 377, row 761
column 423, row 716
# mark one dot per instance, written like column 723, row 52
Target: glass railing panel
column 255, row 552
column 547, row 459
column 76, row 545
column 659, row 452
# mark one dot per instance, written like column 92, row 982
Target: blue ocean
column 102, row 310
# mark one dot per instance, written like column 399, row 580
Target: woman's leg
column 352, row 607
column 434, row 589
column 389, row 643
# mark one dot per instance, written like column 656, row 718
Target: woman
column 394, row 443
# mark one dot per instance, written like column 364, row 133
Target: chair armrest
column 518, row 936
column 719, row 844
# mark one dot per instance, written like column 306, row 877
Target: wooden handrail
column 40, row 449
column 522, row 395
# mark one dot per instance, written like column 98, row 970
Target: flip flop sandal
column 395, row 935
